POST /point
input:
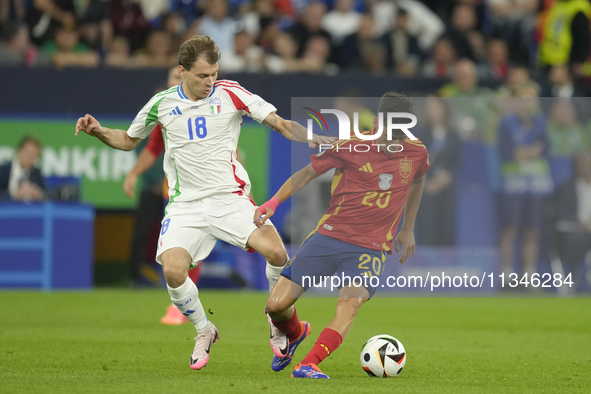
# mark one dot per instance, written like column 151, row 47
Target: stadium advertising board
column 102, row 169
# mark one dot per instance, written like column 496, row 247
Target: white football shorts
column 196, row 226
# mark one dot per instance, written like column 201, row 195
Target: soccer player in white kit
column 208, row 188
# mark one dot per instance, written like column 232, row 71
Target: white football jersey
column 200, row 138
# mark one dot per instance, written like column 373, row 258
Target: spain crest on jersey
column 385, row 181
column 405, row 168
column 215, row 106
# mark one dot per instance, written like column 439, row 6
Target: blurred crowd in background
column 526, row 160
column 508, row 169
column 408, row 37
column 497, row 58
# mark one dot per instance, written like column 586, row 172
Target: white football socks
column 186, row 298
column 273, row 274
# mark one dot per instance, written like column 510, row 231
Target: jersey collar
column 212, row 90
column 183, row 96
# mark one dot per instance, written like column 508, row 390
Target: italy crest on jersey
column 405, row 168
column 385, row 181
column 215, row 106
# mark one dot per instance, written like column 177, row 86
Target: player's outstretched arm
column 293, row 185
column 144, row 162
column 295, row 131
column 114, row 138
column 406, row 236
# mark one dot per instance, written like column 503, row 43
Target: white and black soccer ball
column 383, row 356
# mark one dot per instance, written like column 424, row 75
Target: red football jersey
column 369, row 190
column 156, row 143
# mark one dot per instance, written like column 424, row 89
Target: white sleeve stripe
column 235, row 87
column 230, row 85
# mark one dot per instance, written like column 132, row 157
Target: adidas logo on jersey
column 175, row 111
column 366, row 168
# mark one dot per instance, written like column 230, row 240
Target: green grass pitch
column 110, row 341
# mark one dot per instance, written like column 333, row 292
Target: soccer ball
column 383, row 356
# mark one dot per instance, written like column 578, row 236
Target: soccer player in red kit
column 370, row 190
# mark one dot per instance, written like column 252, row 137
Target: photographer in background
column 20, row 180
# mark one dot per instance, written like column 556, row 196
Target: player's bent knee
column 276, row 307
column 278, row 256
column 174, row 275
column 275, row 255
column 175, row 266
column 267, row 242
column 273, row 307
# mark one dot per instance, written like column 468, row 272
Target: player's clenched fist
column 88, row 124
column 265, row 211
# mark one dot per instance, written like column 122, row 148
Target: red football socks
column 292, row 327
column 328, row 341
